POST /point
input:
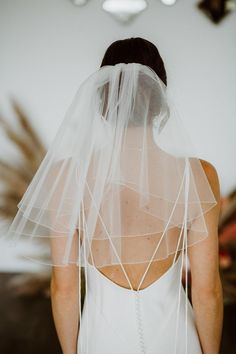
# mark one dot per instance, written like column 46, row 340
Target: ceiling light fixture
column 216, row 10
column 168, row 2
column 124, row 10
column 79, row 2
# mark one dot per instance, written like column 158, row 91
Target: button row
column 139, row 320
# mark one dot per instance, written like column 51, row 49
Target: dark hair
column 135, row 50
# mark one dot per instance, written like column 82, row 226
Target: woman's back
column 134, row 272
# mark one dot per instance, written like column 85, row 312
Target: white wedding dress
column 117, row 320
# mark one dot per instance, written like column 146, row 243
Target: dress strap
column 184, row 263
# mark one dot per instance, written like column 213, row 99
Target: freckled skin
column 135, row 272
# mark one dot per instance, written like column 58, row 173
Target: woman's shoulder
column 212, row 176
column 210, row 172
column 209, row 169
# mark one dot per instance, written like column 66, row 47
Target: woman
column 121, row 195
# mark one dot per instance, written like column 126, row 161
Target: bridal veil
column 121, row 182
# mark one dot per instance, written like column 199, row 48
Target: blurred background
column 48, row 48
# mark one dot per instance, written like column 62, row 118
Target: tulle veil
column 121, row 182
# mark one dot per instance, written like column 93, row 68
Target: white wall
column 49, row 46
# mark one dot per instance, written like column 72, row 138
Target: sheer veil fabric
column 121, row 183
